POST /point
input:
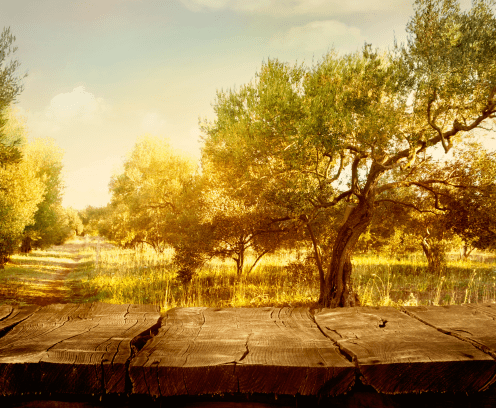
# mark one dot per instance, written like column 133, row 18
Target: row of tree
column 162, row 199
column 340, row 155
column 31, row 214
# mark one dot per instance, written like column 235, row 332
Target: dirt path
column 43, row 277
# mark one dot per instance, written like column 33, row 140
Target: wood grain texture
column 78, row 349
column 213, row 351
column 97, row 348
column 475, row 324
column 396, row 353
column 12, row 315
column 486, row 308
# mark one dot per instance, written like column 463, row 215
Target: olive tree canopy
column 353, row 127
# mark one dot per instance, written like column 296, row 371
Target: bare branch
column 341, row 166
column 256, row 260
column 435, row 193
column 330, row 157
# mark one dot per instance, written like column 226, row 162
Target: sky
column 101, row 73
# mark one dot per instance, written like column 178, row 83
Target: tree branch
column 341, row 166
column 432, row 122
column 318, row 258
column 405, row 205
column 488, row 112
column 355, row 188
column 258, row 259
column 356, row 150
column 420, row 183
column 324, row 204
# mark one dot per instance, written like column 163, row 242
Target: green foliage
column 146, row 198
column 21, row 190
column 98, row 221
column 90, row 218
column 74, row 222
column 10, row 87
column 359, row 126
column 450, row 56
column 471, row 212
column 51, row 222
column 236, row 222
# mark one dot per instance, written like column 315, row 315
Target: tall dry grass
column 142, row 276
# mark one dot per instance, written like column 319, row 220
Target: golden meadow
column 113, row 275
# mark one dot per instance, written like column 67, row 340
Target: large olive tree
column 354, row 127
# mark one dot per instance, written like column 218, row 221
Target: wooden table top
column 102, row 349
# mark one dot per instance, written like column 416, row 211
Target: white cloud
column 75, row 105
column 293, row 7
column 68, row 113
column 320, row 35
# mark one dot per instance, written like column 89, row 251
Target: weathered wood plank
column 475, row 323
column 79, row 349
column 396, row 353
column 487, row 308
column 86, row 349
column 267, row 350
column 12, row 315
column 5, row 310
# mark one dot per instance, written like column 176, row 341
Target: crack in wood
column 351, row 358
column 127, row 312
column 299, row 326
column 334, row 331
column 247, row 349
column 463, row 331
column 184, row 383
column 67, row 338
column 473, row 342
column 155, row 363
column 485, row 311
column 8, row 315
column 4, row 331
column 136, row 344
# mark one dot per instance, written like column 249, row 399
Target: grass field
column 44, row 277
column 129, row 276
column 90, row 271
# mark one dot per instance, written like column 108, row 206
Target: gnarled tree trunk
column 435, row 254
column 337, row 291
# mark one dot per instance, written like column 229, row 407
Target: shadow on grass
column 45, row 277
